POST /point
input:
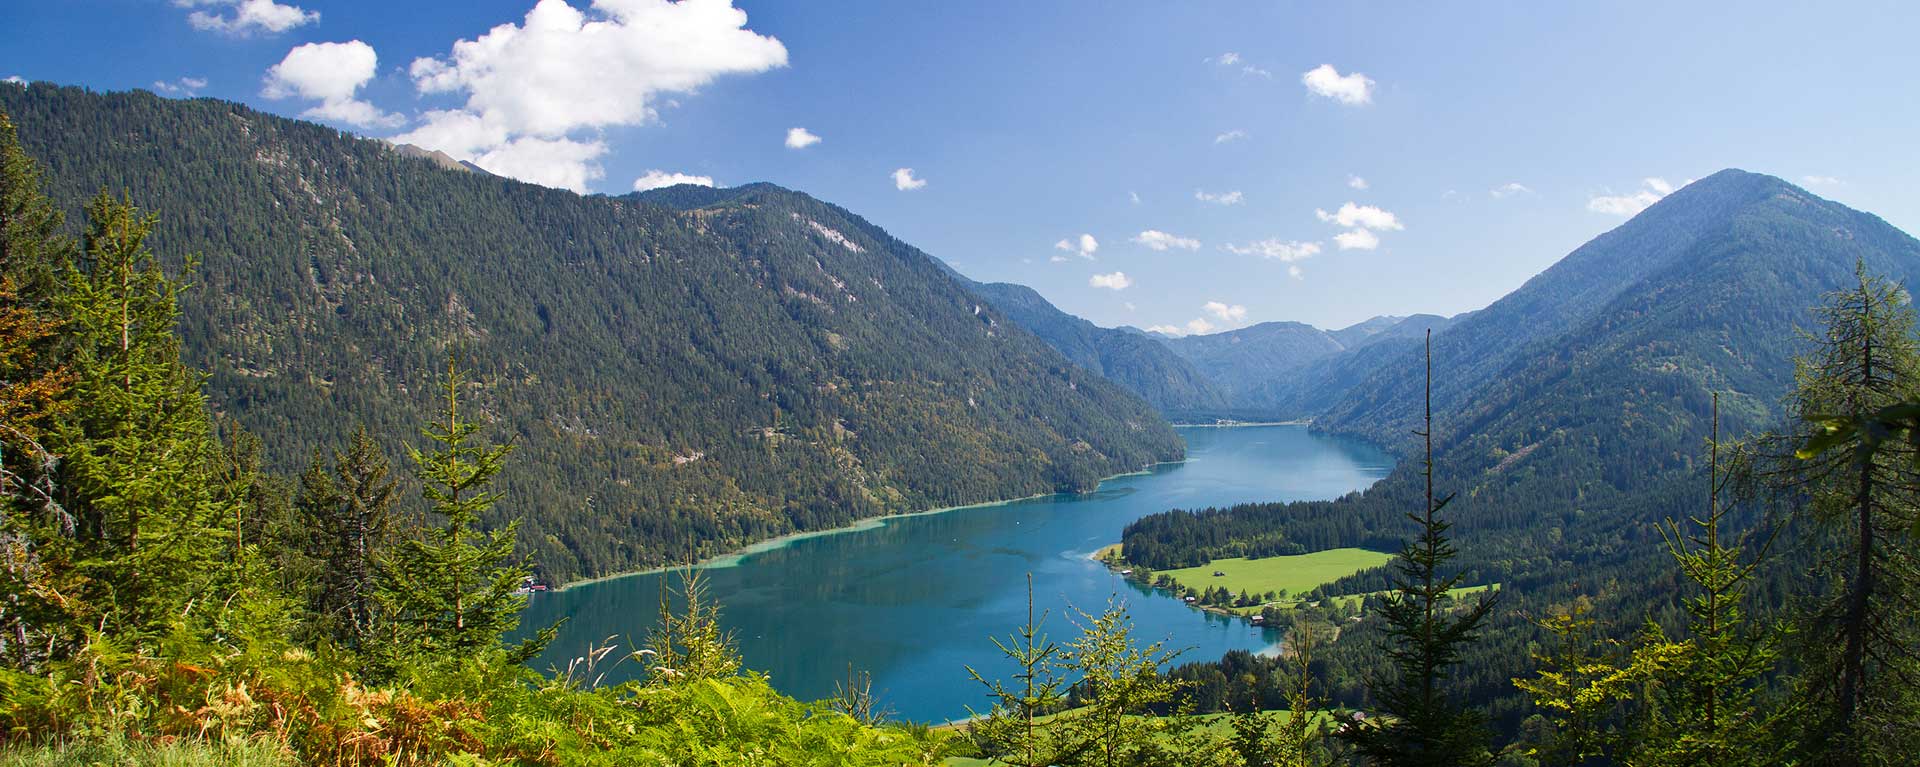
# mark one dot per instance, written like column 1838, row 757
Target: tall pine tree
column 454, row 590
column 1419, row 724
column 1858, row 647
column 346, row 511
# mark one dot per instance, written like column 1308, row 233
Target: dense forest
column 683, row 371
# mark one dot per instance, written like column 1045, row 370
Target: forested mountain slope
column 1140, row 363
column 1576, row 408
column 683, row 372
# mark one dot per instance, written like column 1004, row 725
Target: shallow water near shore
column 916, row 599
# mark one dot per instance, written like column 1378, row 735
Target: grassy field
column 1297, row 574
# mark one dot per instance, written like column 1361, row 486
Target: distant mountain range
column 684, row 371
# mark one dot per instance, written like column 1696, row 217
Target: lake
column 915, row 599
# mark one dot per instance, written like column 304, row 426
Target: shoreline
column 1237, row 424
column 733, row 558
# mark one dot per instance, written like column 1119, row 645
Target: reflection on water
column 915, row 600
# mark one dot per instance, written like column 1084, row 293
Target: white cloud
column 1254, row 71
column 1199, row 326
column 1293, row 270
column 249, row 16
column 1509, row 189
column 1115, row 281
column 1082, row 246
column 330, row 73
column 1363, row 216
column 1134, row 196
column 1821, row 180
column 1219, row 198
column 1170, row 330
column 560, row 163
column 16, row 80
column 1356, row 182
column 1350, row 89
column 904, row 181
column 1155, row 239
column 801, row 138
column 1650, row 192
column 1234, row 313
column 1357, row 239
column 185, row 86
column 1277, row 249
column 563, row 70
column 655, row 179
column 1233, row 135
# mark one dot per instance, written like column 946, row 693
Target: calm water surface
column 915, row 600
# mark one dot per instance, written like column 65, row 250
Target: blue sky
column 1186, row 138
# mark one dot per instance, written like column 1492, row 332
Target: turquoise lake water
column 916, row 599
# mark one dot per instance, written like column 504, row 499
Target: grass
column 1297, row 574
column 1219, row 724
column 120, row 752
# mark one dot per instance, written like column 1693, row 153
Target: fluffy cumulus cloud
column 563, row 71
column 185, row 86
column 1199, row 326
column 1286, row 251
column 1650, row 192
column 330, row 73
column 904, row 181
column 801, row 138
column 1360, row 216
column 1114, row 281
column 1356, row 182
column 1154, row 239
column 246, row 17
column 1356, row 239
column 656, row 179
column 1082, row 246
column 1233, row 313
column 1352, row 89
column 1219, row 198
column 1509, row 189
column 1233, row 135
column 16, row 80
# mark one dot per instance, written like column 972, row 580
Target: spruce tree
column 1705, row 708
column 138, row 461
column 346, row 510
column 1015, row 730
column 1120, row 681
column 1419, row 724
column 454, row 590
column 1858, row 646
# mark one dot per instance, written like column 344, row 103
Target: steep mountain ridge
column 684, row 371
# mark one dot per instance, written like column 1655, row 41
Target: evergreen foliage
column 1424, row 723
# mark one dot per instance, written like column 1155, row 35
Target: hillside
column 1570, row 414
column 683, row 372
column 1133, row 360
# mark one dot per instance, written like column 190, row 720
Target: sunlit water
column 915, row 600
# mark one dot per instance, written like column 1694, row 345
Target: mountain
column 439, row 158
column 1570, row 415
column 684, row 371
column 1357, row 333
column 1131, row 359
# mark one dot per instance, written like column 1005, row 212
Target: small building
column 1218, row 574
column 1192, row 599
column 1128, row 571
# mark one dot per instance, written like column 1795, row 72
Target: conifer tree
column 1119, row 682
column 346, row 510
column 1015, row 731
column 691, row 644
column 137, row 455
column 453, row 591
column 1421, row 725
column 1705, row 708
column 1858, row 648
